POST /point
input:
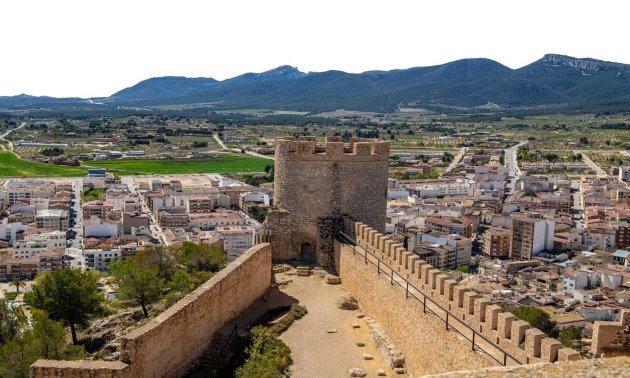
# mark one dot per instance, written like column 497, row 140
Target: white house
column 34, row 244
column 96, row 227
column 9, row 231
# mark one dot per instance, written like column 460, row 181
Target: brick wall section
column 503, row 329
column 314, row 181
column 169, row 345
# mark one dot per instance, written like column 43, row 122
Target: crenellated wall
column 170, row 344
column 428, row 347
column 502, row 329
column 314, row 181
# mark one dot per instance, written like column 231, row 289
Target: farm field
column 219, row 164
column 11, row 166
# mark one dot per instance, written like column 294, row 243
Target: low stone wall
column 612, row 338
column 597, row 368
column 502, row 329
column 170, row 344
column 79, row 369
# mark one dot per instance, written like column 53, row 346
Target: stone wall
column 501, row 329
column 597, row 368
column 315, row 181
column 79, row 369
column 612, row 338
column 423, row 339
column 170, row 344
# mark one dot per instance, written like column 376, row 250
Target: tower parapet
column 315, row 182
column 332, row 149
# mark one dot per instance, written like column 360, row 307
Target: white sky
column 96, row 47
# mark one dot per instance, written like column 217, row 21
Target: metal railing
column 451, row 321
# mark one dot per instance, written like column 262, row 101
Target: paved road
column 6, row 133
column 154, row 226
column 77, row 188
column 238, row 150
column 511, row 163
column 456, row 159
column 600, row 172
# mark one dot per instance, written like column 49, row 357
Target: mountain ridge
column 553, row 79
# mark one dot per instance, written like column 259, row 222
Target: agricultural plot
column 608, row 159
column 12, row 166
column 219, row 164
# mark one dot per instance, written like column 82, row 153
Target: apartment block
column 496, row 242
column 530, row 236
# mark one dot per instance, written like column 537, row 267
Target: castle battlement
column 333, row 146
column 314, row 181
column 503, row 329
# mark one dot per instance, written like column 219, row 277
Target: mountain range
column 553, row 80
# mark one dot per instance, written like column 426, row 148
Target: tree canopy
column 139, row 279
column 68, row 295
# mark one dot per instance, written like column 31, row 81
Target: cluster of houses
column 87, row 223
column 557, row 242
column 36, row 218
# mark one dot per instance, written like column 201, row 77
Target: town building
column 496, row 242
column 530, row 236
column 236, row 237
column 52, row 219
column 450, row 225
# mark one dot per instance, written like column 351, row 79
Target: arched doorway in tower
column 306, row 253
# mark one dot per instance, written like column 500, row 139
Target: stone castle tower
column 315, row 184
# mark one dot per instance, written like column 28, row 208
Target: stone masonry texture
column 598, row 368
column 170, row 344
column 427, row 346
column 317, row 181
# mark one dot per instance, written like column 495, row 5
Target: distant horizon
column 306, row 72
column 73, row 48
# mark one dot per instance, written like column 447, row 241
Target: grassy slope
column 220, row 164
column 11, row 166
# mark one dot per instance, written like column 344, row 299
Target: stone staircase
column 303, row 271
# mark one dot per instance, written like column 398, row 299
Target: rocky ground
column 329, row 341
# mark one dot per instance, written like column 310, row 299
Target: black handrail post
column 473, row 341
column 447, row 320
column 378, row 266
column 407, row 290
column 391, row 280
column 365, row 255
column 424, row 304
column 504, row 358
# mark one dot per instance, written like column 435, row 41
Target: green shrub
column 296, row 312
column 537, row 318
column 10, row 296
column 267, row 357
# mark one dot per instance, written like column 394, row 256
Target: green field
column 93, row 194
column 220, row 164
column 11, row 166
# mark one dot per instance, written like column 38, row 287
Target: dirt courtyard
column 315, row 351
